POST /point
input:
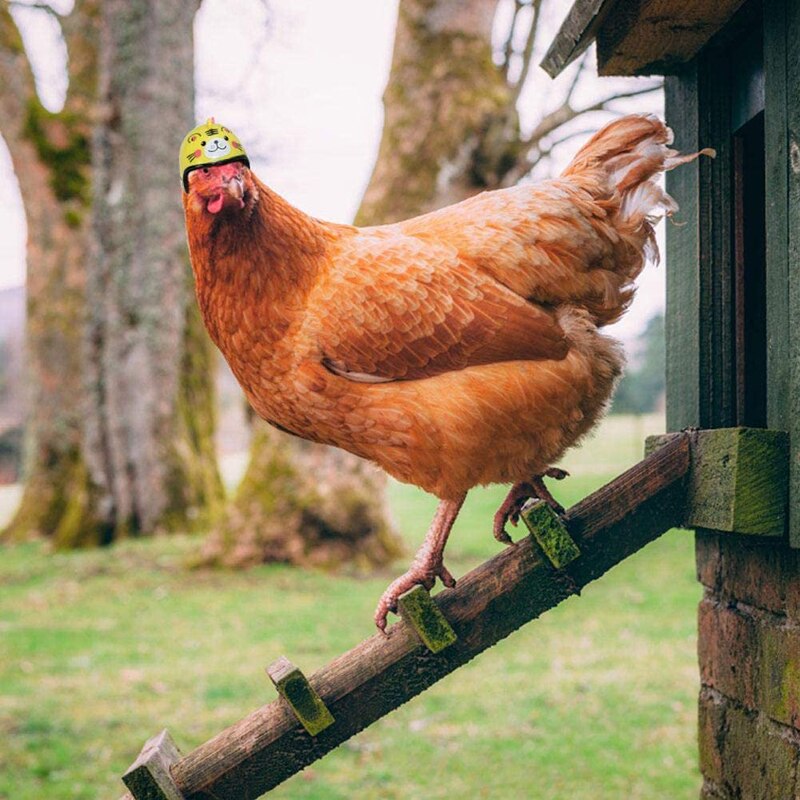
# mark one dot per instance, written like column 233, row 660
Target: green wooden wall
column 700, row 363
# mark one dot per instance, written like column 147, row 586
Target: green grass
column 99, row 650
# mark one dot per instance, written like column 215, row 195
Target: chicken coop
column 732, row 82
column 729, row 468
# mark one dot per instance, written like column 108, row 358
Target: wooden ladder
column 435, row 636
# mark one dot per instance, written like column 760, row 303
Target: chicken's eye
column 205, row 169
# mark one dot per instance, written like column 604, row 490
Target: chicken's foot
column 427, row 565
column 518, row 494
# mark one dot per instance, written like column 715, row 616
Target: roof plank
column 575, row 35
column 638, row 37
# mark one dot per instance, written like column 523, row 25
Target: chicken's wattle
column 215, row 203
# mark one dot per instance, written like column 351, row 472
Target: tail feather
column 619, row 167
column 632, row 152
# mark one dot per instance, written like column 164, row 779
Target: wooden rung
column 149, row 777
column 550, row 532
column 424, row 616
column 294, row 687
column 739, row 481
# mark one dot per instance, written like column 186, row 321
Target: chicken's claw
column 516, row 497
column 424, row 575
column 509, row 510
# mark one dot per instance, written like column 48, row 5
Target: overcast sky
column 300, row 81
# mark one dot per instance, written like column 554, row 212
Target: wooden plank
column 488, row 604
column 576, row 33
column 423, row 615
column 549, row 531
column 716, row 311
column 295, row 689
column 738, row 481
column 793, row 261
column 149, row 778
column 777, row 176
column 683, row 321
column 657, row 37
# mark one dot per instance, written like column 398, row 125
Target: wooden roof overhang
column 638, row 37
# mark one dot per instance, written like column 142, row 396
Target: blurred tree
column 451, row 129
column 122, row 416
column 642, row 388
column 452, row 123
column 149, row 417
column 50, row 153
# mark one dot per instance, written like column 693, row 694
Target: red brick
column 728, row 649
column 779, row 667
column 711, row 734
column 759, row 761
column 758, row 572
column 744, row 754
column 706, row 548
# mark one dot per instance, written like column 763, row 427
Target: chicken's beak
column 233, row 187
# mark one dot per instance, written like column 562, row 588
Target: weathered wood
column 717, row 377
column 422, row 614
column 777, row 175
column 149, row 778
column 488, row 604
column 550, row 532
column 738, row 481
column 656, row 37
column 793, row 222
column 637, row 37
column 295, row 689
column 576, row 33
column 683, row 322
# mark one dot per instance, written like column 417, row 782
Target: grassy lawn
column 100, row 650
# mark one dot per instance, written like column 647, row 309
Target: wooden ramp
column 311, row 717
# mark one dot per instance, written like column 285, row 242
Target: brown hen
column 454, row 349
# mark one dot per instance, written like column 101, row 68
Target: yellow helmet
column 206, row 144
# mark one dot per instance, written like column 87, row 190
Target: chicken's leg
column 516, row 497
column 427, row 564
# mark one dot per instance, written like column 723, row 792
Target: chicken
column 458, row 348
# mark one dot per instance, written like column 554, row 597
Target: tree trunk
column 149, row 422
column 51, row 156
column 450, row 128
column 122, row 400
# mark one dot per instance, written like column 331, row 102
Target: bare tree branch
column 602, row 105
column 527, row 53
column 577, row 76
column 532, row 151
column 37, row 6
column 508, row 45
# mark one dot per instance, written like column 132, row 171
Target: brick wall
column 749, row 652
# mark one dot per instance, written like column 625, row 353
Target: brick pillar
column 749, row 651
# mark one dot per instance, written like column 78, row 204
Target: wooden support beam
column 149, row 778
column 550, row 532
column 295, row 689
column 488, row 604
column 739, row 479
column 422, row 614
